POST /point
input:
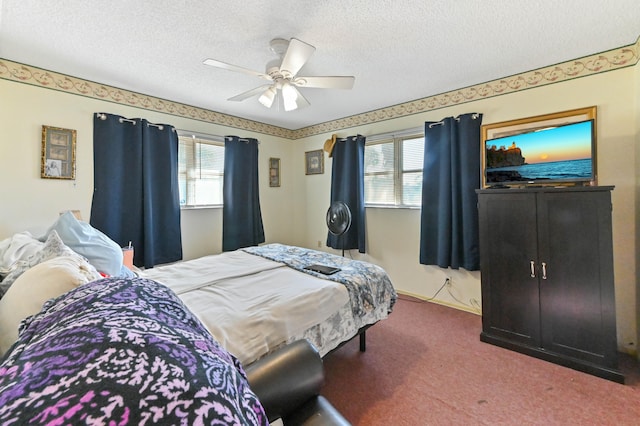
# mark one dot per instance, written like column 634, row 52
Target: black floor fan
column 339, row 220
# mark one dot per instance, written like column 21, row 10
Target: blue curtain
column 136, row 196
column 347, row 185
column 451, row 174
column 241, row 215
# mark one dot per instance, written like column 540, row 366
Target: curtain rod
column 208, row 137
column 347, row 138
column 159, row 126
column 245, row 140
column 411, row 131
column 399, row 133
column 203, row 136
column 103, row 116
column 474, row 116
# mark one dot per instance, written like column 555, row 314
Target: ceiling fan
column 282, row 74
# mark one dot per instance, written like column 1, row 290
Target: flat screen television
column 557, row 155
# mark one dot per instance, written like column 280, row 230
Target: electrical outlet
column 319, row 243
column 449, row 282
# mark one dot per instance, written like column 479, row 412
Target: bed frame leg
column 363, row 341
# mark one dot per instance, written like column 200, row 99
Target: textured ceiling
column 398, row 50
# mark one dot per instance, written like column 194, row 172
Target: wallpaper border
column 610, row 60
column 35, row 76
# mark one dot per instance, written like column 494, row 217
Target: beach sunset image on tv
column 562, row 153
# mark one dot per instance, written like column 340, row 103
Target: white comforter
column 251, row 305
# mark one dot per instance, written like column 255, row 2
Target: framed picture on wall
column 314, row 162
column 58, row 156
column 274, row 172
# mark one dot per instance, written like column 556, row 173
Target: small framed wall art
column 58, row 159
column 314, row 162
column 274, row 172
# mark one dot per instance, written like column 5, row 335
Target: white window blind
column 200, row 170
column 412, row 159
column 393, row 170
column 379, row 173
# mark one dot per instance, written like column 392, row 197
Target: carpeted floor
column 425, row 365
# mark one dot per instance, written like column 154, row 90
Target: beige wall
column 393, row 234
column 635, row 88
column 31, row 203
column 295, row 212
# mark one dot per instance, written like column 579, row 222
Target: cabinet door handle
column 544, row 270
column 533, row 269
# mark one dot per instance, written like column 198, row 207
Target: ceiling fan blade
column 224, row 65
column 301, row 101
column 328, row 82
column 298, row 53
column 250, row 93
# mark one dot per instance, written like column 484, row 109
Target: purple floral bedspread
column 122, row 351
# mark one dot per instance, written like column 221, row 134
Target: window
column 393, row 169
column 200, row 170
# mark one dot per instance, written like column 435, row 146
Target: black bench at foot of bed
column 287, row 382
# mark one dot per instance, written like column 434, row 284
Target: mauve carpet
column 425, row 365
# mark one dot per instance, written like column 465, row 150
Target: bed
column 257, row 299
column 83, row 339
column 251, row 300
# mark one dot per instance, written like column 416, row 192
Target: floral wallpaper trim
column 589, row 65
column 598, row 63
column 48, row 79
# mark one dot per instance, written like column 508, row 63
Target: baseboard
column 440, row 302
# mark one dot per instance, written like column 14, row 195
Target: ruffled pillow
column 53, row 247
column 15, row 248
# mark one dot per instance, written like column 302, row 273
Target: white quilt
column 252, row 305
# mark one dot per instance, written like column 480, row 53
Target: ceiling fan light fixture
column 267, row 97
column 282, row 73
column 289, row 97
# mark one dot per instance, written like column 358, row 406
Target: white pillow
column 17, row 247
column 101, row 251
column 53, row 247
column 34, row 287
